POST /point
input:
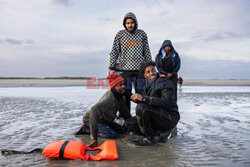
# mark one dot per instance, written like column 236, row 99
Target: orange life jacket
column 76, row 150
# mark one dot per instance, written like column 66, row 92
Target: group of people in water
column 155, row 92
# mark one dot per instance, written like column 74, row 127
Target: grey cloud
column 215, row 37
column 192, row 68
column 13, row 41
column 230, row 34
column 149, row 3
column 225, row 35
column 29, row 41
column 63, row 2
column 93, row 64
column 106, row 19
column 218, row 36
column 86, row 58
column 245, row 33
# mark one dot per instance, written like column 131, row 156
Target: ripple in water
column 216, row 133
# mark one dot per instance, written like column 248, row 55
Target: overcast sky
column 46, row 38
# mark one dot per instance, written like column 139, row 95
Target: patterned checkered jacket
column 129, row 48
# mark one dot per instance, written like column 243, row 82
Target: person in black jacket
column 156, row 108
column 168, row 63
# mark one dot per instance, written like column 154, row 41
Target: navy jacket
column 160, row 96
column 176, row 61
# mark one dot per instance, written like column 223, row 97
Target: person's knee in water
column 101, row 116
column 153, row 98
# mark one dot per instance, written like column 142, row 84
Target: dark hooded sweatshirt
column 129, row 48
column 163, row 61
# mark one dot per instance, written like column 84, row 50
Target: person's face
column 167, row 49
column 130, row 24
column 120, row 87
column 150, row 73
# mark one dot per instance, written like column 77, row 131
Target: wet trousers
column 174, row 80
column 131, row 78
column 152, row 119
column 105, row 131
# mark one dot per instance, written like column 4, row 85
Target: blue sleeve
column 178, row 64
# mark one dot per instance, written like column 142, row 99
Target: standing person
column 168, row 63
column 156, row 108
column 99, row 120
column 180, row 81
column 129, row 49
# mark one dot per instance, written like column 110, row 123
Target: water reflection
column 216, row 133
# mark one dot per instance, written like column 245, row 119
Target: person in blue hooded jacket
column 168, row 63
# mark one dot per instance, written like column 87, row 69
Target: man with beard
column 156, row 109
column 99, row 120
column 129, row 49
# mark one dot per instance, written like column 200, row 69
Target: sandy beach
column 91, row 82
column 42, row 82
column 213, row 129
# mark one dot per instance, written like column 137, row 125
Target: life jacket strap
column 62, row 149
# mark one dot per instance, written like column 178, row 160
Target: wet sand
column 84, row 82
column 213, row 133
column 41, row 82
column 217, row 82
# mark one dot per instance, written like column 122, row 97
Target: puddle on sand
column 216, row 133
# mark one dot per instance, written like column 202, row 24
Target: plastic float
column 77, row 150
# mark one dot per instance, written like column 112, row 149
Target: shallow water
column 213, row 130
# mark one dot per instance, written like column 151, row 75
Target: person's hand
column 112, row 72
column 169, row 75
column 162, row 75
column 93, row 143
column 136, row 97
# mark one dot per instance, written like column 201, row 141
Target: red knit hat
column 114, row 80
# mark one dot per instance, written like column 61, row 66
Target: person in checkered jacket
column 129, row 49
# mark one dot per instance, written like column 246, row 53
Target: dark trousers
column 150, row 120
column 131, row 78
column 174, row 80
column 105, row 131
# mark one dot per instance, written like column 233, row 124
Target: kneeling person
column 98, row 121
column 156, row 108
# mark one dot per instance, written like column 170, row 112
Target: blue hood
column 176, row 61
column 167, row 43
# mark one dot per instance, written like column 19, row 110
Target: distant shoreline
column 84, row 82
column 211, row 82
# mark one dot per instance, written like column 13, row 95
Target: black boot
column 83, row 130
column 149, row 141
column 164, row 136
